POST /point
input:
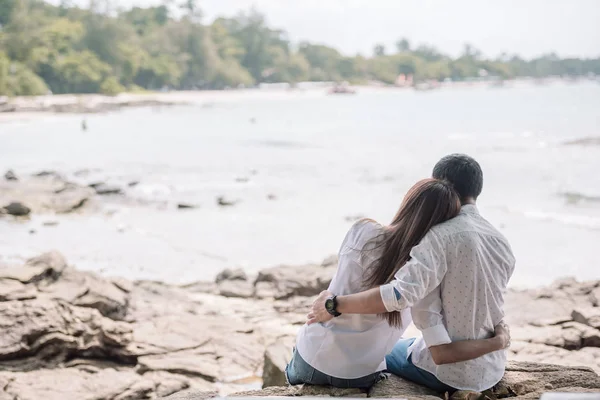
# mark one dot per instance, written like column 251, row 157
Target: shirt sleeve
column 427, row 316
column 419, row 276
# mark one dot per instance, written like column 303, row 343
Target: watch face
column 329, row 306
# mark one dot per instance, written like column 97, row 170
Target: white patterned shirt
column 455, row 284
column 352, row 345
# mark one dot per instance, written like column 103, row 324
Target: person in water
column 348, row 349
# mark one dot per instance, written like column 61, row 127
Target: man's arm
column 368, row 302
column 465, row 350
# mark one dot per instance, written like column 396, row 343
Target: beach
column 173, row 249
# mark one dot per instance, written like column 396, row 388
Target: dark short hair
column 463, row 172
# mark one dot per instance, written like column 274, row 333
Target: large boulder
column 211, row 347
column 237, row 274
column 236, row 288
column 588, row 316
column 532, row 379
column 47, row 276
column 286, row 281
column 78, row 383
column 44, row 333
column 87, row 289
column 45, row 192
column 521, row 381
column 395, row 387
column 47, row 265
column 277, row 357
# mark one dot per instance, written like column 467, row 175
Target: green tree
column 403, row 45
column 6, row 9
column 379, row 50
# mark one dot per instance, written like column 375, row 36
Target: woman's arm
column 469, row 349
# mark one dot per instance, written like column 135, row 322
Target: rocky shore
column 76, row 104
column 70, row 334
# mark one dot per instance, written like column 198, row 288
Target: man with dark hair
column 463, row 172
column 454, row 285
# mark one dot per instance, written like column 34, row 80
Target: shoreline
column 24, row 108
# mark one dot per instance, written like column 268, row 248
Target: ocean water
column 303, row 165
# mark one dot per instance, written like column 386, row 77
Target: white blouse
column 351, row 346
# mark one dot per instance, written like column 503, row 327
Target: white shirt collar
column 469, row 209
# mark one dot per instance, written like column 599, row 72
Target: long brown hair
column 428, row 203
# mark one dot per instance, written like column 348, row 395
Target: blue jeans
column 400, row 363
column 299, row 371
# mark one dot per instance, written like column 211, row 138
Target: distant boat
column 425, row 86
column 342, row 90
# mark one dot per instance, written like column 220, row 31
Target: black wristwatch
column 331, row 306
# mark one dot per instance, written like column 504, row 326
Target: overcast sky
column 527, row 27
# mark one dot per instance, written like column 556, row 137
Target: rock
column 302, row 390
column 72, row 199
column 271, row 196
column 588, row 316
column 194, row 395
column 49, row 174
column 231, row 275
column 595, row 297
column 186, row 206
column 70, row 384
column 52, row 331
column 277, row 356
column 395, row 386
column 202, row 287
column 82, row 172
column 533, row 352
column 133, row 183
column 286, row 281
column 47, row 265
column 10, row 175
column 48, row 193
column 11, row 289
column 200, row 346
column 105, row 189
column 224, row 202
column 166, row 383
column 331, row 261
column 50, row 223
column 236, row 288
column 87, row 289
column 523, row 378
column 17, row 209
column 570, row 335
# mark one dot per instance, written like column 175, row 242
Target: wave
column 576, row 197
column 582, row 221
column 587, row 141
column 281, row 144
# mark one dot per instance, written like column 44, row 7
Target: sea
column 301, row 166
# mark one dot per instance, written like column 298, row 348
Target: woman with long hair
column 349, row 351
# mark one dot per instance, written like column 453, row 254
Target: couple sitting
column 440, row 265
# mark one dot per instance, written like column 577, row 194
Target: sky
column 526, row 27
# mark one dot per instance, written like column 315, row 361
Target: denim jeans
column 299, row 371
column 400, row 363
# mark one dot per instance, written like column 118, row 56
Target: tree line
column 68, row 49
